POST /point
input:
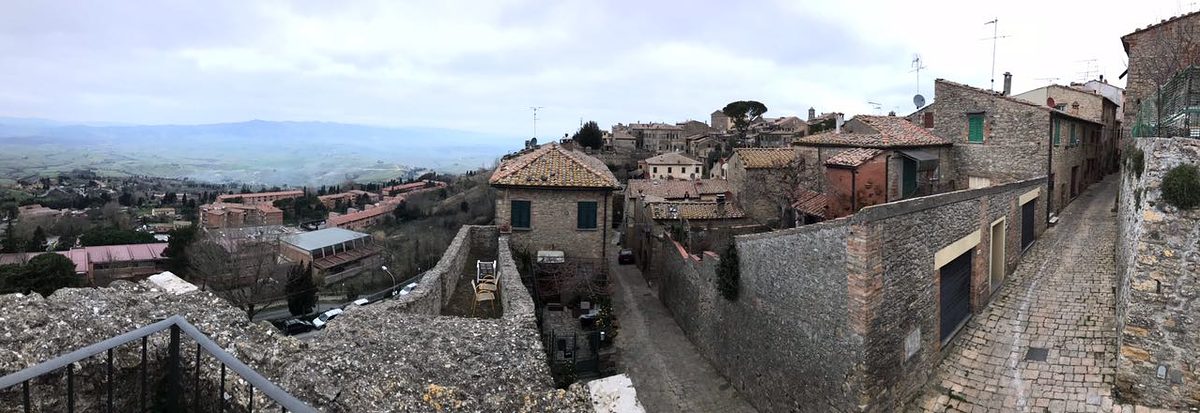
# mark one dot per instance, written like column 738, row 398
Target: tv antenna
column 917, row 66
column 1088, row 69
column 995, row 36
column 878, row 107
column 535, row 109
column 1046, row 79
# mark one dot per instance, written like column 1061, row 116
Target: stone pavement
column 668, row 372
column 1046, row 343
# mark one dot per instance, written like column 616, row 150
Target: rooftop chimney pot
column 1007, row 83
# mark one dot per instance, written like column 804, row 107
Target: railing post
column 71, row 387
column 174, row 377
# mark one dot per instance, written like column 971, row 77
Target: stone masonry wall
column 437, row 285
column 1158, row 255
column 828, row 308
column 553, row 224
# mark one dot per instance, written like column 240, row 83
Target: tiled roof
column 384, row 207
column 893, row 131
column 1011, row 99
column 554, row 166
column 695, row 210
column 278, row 193
column 760, row 158
column 853, row 157
column 673, row 158
column 811, row 202
column 677, row 189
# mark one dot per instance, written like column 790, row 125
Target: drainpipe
column 887, row 177
column 853, row 190
column 1049, row 167
column 605, row 224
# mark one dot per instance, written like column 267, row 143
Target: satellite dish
column 1050, row 102
column 919, row 100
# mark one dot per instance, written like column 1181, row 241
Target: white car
column 361, row 302
column 408, row 289
column 324, row 318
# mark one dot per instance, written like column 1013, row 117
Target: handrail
column 256, row 380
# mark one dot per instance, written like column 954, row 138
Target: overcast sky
column 479, row 65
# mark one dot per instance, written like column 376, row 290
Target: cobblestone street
column 1046, row 342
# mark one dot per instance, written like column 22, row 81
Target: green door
column 909, row 185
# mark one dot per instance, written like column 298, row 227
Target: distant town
column 992, row 250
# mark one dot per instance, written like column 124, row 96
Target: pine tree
column 37, row 243
column 301, row 292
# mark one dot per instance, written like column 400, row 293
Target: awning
column 925, row 161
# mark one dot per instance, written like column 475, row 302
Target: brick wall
column 553, row 225
column 1157, row 283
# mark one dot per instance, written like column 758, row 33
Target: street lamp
column 389, row 273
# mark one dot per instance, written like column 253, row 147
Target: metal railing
column 172, row 395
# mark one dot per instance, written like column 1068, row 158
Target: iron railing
column 173, row 391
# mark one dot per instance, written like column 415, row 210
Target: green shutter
column 975, row 128
column 1074, row 140
column 520, row 214
column 1057, row 131
column 586, row 215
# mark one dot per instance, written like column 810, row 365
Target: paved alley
column 668, row 372
column 1047, row 342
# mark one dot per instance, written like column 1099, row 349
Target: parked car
column 408, row 289
column 325, row 317
column 361, row 302
column 625, row 256
column 294, row 326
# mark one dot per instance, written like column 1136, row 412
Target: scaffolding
column 1174, row 110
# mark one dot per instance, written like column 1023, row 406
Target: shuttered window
column 929, row 120
column 586, row 215
column 975, row 128
column 520, row 214
column 1057, row 131
column 1074, row 137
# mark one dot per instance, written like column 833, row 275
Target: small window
column 656, row 169
column 586, row 215
column 697, row 169
column 1057, row 131
column 975, row 128
column 928, row 121
column 520, row 214
column 669, row 169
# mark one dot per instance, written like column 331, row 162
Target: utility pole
column 995, row 36
column 535, row 109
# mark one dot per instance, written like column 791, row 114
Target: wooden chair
column 483, row 295
column 486, row 285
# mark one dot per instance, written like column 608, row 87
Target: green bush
column 1181, row 187
column 729, row 273
column 1137, row 161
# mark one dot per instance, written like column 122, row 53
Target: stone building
column 860, row 318
column 700, row 146
column 1157, row 253
column 720, row 121
column 335, row 253
column 656, row 137
column 259, row 198
column 673, row 165
column 763, row 180
column 219, row 215
column 1155, row 54
column 1089, row 104
column 552, row 198
column 915, row 161
column 998, row 138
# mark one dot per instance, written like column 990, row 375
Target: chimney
column 812, row 113
column 720, row 204
column 837, row 123
column 892, row 113
column 1007, row 83
column 1075, row 108
column 1102, row 79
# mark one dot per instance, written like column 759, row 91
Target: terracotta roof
column 673, row 158
column 893, row 131
column 1012, row 99
column 853, row 157
column 384, row 207
column 278, row 193
column 677, row 189
column 694, row 210
column 811, row 202
column 761, row 158
column 551, row 165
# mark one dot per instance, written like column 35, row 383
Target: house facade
column 220, row 215
column 555, row 199
column 259, row 198
column 1156, row 53
column 674, row 165
column 759, row 178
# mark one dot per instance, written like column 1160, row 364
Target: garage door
column 955, row 293
column 1027, row 216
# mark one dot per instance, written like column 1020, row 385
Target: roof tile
column 554, row 166
column 853, row 157
column 893, row 132
column 763, row 158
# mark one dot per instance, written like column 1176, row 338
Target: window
column 1074, row 138
column 1057, row 131
column 928, row 120
column 586, row 217
column 520, row 214
column 975, row 128
column 669, row 169
column 697, row 169
column 656, row 169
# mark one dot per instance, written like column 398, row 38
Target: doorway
column 996, row 261
column 909, row 178
column 1027, row 219
column 955, row 294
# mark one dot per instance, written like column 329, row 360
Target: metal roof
column 316, row 240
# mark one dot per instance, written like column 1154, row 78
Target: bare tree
column 1158, row 57
column 245, row 272
column 778, row 188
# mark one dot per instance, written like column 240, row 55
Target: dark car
column 294, row 326
column 625, row 256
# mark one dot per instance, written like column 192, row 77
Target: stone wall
column 553, row 225
column 1158, row 252
column 830, row 308
column 514, row 297
column 437, row 285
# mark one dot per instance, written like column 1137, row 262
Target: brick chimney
column 721, row 204
column 812, row 113
column 1007, row 84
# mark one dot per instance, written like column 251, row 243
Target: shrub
column 729, row 273
column 1136, row 161
column 1181, row 187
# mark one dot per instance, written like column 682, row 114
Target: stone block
column 1135, row 353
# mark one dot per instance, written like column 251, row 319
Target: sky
column 481, row 65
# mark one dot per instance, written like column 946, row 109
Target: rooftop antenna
column 1046, row 79
column 995, row 36
column 918, row 100
column 535, row 109
column 1088, row 69
column 878, row 107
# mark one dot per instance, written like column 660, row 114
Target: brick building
column 552, row 198
column 857, row 179
column 348, row 198
column 673, row 165
column 259, row 198
column 368, row 217
column 235, row 215
column 335, row 253
column 998, row 138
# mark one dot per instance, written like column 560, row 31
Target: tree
column 37, row 242
column 176, row 252
column 729, row 273
column 743, row 113
column 11, row 242
column 589, row 136
column 301, row 291
column 126, row 199
column 778, row 187
column 242, row 271
column 43, row 274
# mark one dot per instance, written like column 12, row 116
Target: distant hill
column 257, row 151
